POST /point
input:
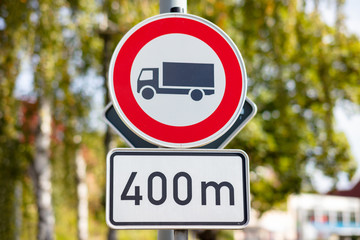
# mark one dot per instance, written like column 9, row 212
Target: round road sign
column 177, row 80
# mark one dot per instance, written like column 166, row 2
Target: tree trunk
column 82, row 193
column 42, row 173
column 17, row 211
column 105, row 33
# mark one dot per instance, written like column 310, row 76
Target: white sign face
column 188, row 50
column 163, row 189
column 177, row 80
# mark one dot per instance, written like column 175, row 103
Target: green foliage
column 12, row 153
column 298, row 68
column 43, row 32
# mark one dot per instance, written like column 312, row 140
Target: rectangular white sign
column 177, row 189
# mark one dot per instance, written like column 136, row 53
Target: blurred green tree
column 12, row 151
column 43, row 32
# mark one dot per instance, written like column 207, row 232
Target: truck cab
column 147, row 82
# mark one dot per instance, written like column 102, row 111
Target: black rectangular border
column 181, row 153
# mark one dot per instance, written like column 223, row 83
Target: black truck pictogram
column 195, row 79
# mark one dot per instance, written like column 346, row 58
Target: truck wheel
column 147, row 93
column 196, row 94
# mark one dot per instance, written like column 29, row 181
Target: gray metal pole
column 167, row 6
column 181, row 234
column 173, row 6
column 165, row 235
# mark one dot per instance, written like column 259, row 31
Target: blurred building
column 325, row 216
column 334, row 216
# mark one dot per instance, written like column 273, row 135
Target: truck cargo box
column 188, row 75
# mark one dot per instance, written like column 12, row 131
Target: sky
column 351, row 10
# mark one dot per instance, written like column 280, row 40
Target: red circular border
column 153, row 128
